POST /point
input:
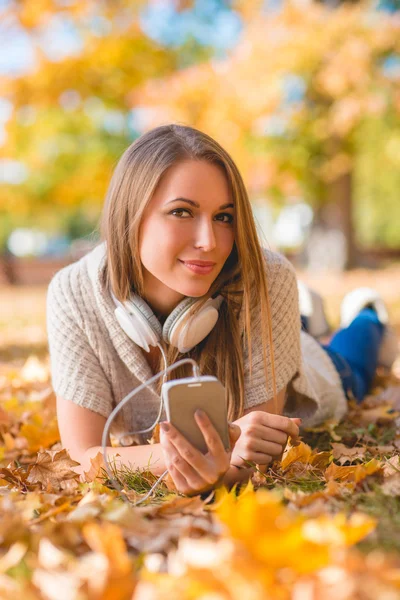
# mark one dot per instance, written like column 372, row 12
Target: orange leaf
column 96, row 465
column 355, row 473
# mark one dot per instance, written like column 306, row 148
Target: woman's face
column 189, row 219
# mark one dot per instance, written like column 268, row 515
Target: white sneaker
column 311, row 306
column 353, row 303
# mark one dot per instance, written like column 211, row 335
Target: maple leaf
column 52, row 469
column 96, row 465
column 343, row 454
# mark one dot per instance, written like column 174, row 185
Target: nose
column 205, row 236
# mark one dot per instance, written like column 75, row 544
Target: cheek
column 226, row 241
column 160, row 244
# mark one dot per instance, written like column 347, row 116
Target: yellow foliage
column 278, row 537
column 40, row 435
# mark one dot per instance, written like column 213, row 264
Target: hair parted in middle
column 242, row 281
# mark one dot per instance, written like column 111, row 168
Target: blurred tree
column 72, row 111
column 293, row 100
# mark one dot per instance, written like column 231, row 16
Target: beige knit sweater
column 95, row 364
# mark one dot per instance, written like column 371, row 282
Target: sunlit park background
column 305, row 95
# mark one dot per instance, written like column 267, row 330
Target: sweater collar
column 129, row 352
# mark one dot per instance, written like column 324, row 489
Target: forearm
column 145, row 457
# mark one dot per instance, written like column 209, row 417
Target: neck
column 161, row 299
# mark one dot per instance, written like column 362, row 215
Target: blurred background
column 304, row 95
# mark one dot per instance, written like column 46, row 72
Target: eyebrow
column 196, row 204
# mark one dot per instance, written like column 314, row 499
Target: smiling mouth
column 198, row 268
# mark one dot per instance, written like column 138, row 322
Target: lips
column 199, row 267
column 199, row 263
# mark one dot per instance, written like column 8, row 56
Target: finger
column 177, row 465
column 266, row 447
column 178, row 479
column 253, row 457
column 211, row 437
column 266, row 433
column 234, row 434
column 280, row 422
column 273, row 435
column 190, row 456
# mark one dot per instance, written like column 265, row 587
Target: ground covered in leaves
column 322, row 524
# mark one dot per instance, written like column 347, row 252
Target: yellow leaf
column 300, row 453
column 40, row 436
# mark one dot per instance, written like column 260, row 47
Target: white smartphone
column 182, row 397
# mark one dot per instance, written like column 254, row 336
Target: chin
column 194, row 291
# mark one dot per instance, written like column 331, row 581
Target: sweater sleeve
column 285, row 321
column 76, row 372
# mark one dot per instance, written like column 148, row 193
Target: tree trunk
column 339, row 195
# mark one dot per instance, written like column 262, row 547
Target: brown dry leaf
column 178, row 505
column 343, row 454
column 378, row 414
column 4, row 418
column 17, row 477
column 391, row 466
column 52, row 469
column 353, row 474
column 391, row 396
column 96, row 465
column 300, row 498
column 155, row 438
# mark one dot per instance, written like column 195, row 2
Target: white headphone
column 142, row 326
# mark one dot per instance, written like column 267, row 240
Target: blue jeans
column 354, row 352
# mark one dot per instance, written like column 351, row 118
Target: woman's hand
column 192, row 471
column 263, row 437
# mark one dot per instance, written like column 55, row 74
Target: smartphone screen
column 182, row 397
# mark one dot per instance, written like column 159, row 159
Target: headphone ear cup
column 136, row 302
column 177, row 315
column 185, row 332
column 139, row 322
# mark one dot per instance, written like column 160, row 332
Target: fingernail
column 200, row 413
column 164, row 427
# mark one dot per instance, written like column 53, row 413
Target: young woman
column 177, row 225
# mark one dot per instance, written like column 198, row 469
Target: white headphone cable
column 111, row 417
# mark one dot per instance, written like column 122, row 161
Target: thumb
column 234, row 433
column 295, row 440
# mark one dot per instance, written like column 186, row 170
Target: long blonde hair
column 242, row 281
